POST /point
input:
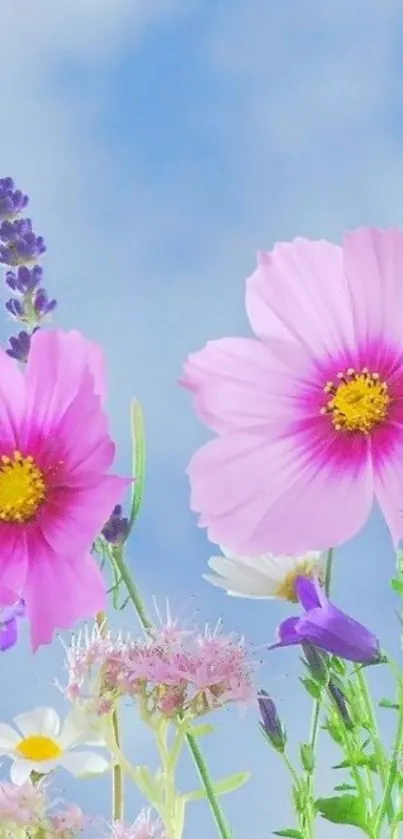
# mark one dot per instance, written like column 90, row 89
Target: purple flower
column 12, row 608
column 271, row 725
column 42, row 305
column 20, row 346
column 12, row 200
column 24, row 280
column 116, row 529
column 15, row 308
column 327, row 627
column 20, row 243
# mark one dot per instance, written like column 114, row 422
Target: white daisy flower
column 264, row 576
column 40, row 744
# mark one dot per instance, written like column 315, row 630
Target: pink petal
column 388, row 477
column 74, row 517
column 299, row 292
column 14, row 556
column 60, row 591
column 92, row 356
column 286, row 495
column 243, row 383
column 12, row 403
column 56, row 366
column 373, row 262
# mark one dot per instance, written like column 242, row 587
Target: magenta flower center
column 22, row 488
column 359, row 402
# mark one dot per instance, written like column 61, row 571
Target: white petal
column 77, row 728
column 44, row 721
column 8, row 738
column 84, row 763
column 242, row 579
column 20, row 771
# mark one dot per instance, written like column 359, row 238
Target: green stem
column 393, row 769
column 201, row 766
column 314, row 728
column 117, row 779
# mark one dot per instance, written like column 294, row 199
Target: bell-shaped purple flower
column 327, row 627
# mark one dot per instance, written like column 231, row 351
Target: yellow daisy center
column 38, row 748
column 359, row 402
column 22, row 487
column 286, row 589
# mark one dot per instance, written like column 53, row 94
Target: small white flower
column 41, row 744
column 264, row 576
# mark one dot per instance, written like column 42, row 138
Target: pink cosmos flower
column 55, row 493
column 310, row 415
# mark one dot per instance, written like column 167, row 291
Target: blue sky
column 163, row 142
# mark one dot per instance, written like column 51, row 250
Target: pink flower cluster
column 143, row 828
column 27, row 806
column 171, row 672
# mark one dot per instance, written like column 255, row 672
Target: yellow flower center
column 38, row 748
column 359, row 402
column 22, row 488
column 305, row 568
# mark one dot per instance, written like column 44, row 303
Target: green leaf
column 312, row 687
column 139, row 459
column 200, row 730
column 345, row 788
column 397, row 585
column 343, row 809
column 370, row 761
column 338, row 665
column 386, row 703
column 229, row 784
column 289, row 833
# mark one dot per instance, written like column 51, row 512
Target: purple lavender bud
column 341, row 703
column 24, row 279
column 116, row 529
column 12, row 201
column 327, row 627
column 43, row 306
column 15, row 307
column 19, row 346
column 271, row 725
column 21, row 243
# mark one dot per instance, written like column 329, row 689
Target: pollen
column 22, row 488
column 286, row 589
column 38, row 748
column 358, row 402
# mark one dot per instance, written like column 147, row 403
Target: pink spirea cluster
column 27, row 807
column 170, row 672
column 145, row 827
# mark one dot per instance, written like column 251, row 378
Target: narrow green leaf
column 343, row 809
column 369, row 761
column 200, row 730
column 312, row 687
column 345, row 788
column 289, row 833
column 139, row 459
column 386, row 703
column 229, row 784
column 338, row 665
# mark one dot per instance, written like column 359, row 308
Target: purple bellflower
column 327, row 627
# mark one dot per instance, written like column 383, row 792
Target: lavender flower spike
column 12, row 200
column 11, row 609
column 327, row 627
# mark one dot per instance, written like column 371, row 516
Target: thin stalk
column 314, row 728
column 198, row 759
column 393, row 768
column 117, row 779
